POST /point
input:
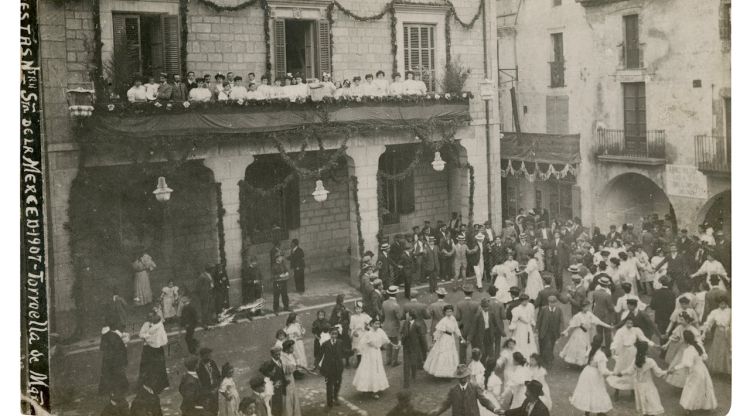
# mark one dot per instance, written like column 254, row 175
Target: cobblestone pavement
column 246, row 346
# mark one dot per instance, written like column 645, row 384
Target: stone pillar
column 477, row 157
column 228, row 171
column 363, row 163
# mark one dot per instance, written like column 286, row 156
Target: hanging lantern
column 162, row 191
column 80, row 102
column 438, row 164
column 320, row 193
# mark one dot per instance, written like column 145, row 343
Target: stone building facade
column 202, row 222
column 649, row 95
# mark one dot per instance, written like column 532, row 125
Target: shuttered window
column 557, row 114
column 419, row 52
column 632, row 46
column 634, row 109
column 324, row 47
column 146, row 44
column 557, row 65
column 279, row 42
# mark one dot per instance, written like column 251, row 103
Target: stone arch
column 630, row 196
column 717, row 211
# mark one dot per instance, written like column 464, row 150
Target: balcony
column 557, row 74
column 713, row 154
column 615, row 146
column 631, row 56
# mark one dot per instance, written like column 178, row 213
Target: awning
column 560, row 149
column 245, row 121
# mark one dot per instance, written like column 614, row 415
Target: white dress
column 357, row 323
column 713, row 268
column 169, row 296
column 370, row 375
column 515, row 387
column 590, row 394
column 493, row 393
column 623, row 346
column 699, row 389
column 534, row 283
column 442, row 359
column 540, row 374
column 522, row 329
column 142, row 267
column 295, row 332
column 647, row 400
column 509, row 273
column 576, row 350
column 506, row 361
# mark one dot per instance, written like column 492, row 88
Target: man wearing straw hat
column 392, row 315
column 464, row 398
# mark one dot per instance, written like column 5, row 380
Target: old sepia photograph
column 375, row 207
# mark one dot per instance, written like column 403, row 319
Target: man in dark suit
column 418, row 311
column 640, row 320
column 532, row 406
column 464, row 398
column 146, row 401
column 677, row 264
column 113, row 380
column 386, row 265
column 204, row 289
column 274, row 370
column 255, row 396
column 431, row 263
column 209, row 377
column 252, row 282
column 497, row 329
column 613, row 235
column 297, row 263
column 466, row 312
column 663, row 304
column 190, row 390
column 485, row 327
column 548, row 324
column 189, row 320
column 603, row 306
column 560, row 258
column 545, row 293
column 415, row 346
column 514, row 301
column 332, row 366
column 447, row 257
column 392, row 315
column 408, row 267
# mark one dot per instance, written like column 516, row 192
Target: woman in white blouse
column 712, row 267
column 720, row 345
column 153, row 364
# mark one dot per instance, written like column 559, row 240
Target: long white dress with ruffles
column 442, row 360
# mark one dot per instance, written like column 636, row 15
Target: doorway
column 300, row 47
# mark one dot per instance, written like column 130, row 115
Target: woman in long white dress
column 522, row 327
column 647, row 400
column 370, row 376
column 698, row 393
column 534, row 282
column 583, row 326
column 358, row 322
column 515, row 387
column 590, row 394
column 712, row 267
column 623, row 346
column 290, row 366
column 539, row 374
column 493, row 387
column 442, row 359
column 505, row 362
column 294, row 331
column 720, row 347
column 685, row 320
column 509, row 271
column 170, row 294
column 142, row 266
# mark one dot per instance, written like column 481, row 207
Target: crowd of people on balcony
column 231, row 87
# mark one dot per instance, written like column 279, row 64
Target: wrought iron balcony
column 713, row 154
column 631, row 55
column 557, row 74
column 620, row 146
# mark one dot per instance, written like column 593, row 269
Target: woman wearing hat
column 357, row 327
column 522, row 327
column 582, row 325
column 443, row 357
column 370, row 376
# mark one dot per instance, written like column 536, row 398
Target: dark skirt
column 113, row 381
column 153, row 371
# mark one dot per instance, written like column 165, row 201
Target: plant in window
column 455, row 77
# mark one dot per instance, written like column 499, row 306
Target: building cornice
column 595, row 3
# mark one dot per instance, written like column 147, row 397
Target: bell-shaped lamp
column 162, row 191
column 320, row 193
column 438, row 164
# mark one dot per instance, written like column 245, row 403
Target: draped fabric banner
column 538, row 149
column 243, row 121
column 538, row 173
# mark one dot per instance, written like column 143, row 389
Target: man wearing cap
column 459, row 261
column 435, row 310
column 603, row 306
column 280, row 277
column 210, row 378
column 255, row 396
column 431, row 263
column 274, row 370
column 190, row 390
column 515, row 300
column 549, row 321
column 466, row 313
column 332, row 366
column 385, row 273
column 464, row 398
column 392, row 315
column 532, row 405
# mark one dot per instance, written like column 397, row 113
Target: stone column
column 363, row 163
column 228, row 171
column 477, row 157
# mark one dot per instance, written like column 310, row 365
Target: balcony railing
column 631, row 55
column 557, row 74
column 712, row 154
column 617, row 145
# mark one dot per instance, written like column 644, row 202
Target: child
column 169, row 298
column 477, row 368
column 356, row 89
column 229, row 397
column 280, row 338
column 647, row 400
column 539, row 374
column 357, row 325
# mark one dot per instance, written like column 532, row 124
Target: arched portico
column 629, row 197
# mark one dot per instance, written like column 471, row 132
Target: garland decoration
column 538, row 173
column 360, row 238
column 267, row 33
column 473, row 20
column 388, row 8
column 472, row 186
column 96, row 74
column 220, row 211
column 394, row 41
column 183, row 13
column 330, row 164
column 217, row 8
column 329, row 19
column 448, row 36
column 264, row 192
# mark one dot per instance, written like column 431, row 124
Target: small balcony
column 557, row 74
column 619, row 146
column 631, row 56
column 713, row 154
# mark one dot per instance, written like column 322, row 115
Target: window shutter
column 292, row 205
column 127, row 41
column 324, row 47
column 279, row 38
column 562, row 115
column 171, row 29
